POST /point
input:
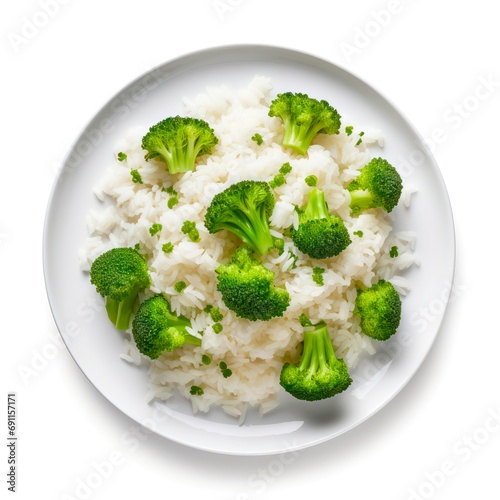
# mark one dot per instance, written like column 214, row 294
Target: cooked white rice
column 254, row 351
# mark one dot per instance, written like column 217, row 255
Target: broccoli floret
column 247, row 288
column 304, row 118
column 179, row 141
column 319, row 234
column 121, row 156
column 119, row 275
column 156, row 328
column 319, row 374
column 377, row 185
column 244, row 209
column 379, row 309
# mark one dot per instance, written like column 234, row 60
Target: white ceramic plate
column 294, row 424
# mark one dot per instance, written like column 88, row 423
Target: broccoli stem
column 191, row 339
column 299, row 137
column 253, row 229
column 120, row 312
column 316, row 207
column 180, row 323
column 182, row 157
column 318, row 350
column 360, row 199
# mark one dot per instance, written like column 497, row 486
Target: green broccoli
column 155, row 229
column 319, row 374
column 196, row 391
column 179, row 141
column 189, row 228
column 244, row 209
column 311, row 180
column 156, row 328
column 167, row 247
column 172, row 201
column 304, row 118
column 226, row 372
column 279, row 179
column 319, row 234
column 215, row 314
column 317, row 275
column 247, row 288
column 180, row 286
column 136, row 176
column 258, row 139
column 279, row 244
column 379, row 309
column 377, row 185
column 119, row 275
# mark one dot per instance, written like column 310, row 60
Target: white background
column 432, row 60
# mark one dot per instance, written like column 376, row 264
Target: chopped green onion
column 167, row 247
column 258, row 139
column 196, row 391
column 180, row 286
column 318, row 275
column 155, row 228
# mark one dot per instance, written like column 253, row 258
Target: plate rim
column 315, row 59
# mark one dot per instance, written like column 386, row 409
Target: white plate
column 294, row 424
